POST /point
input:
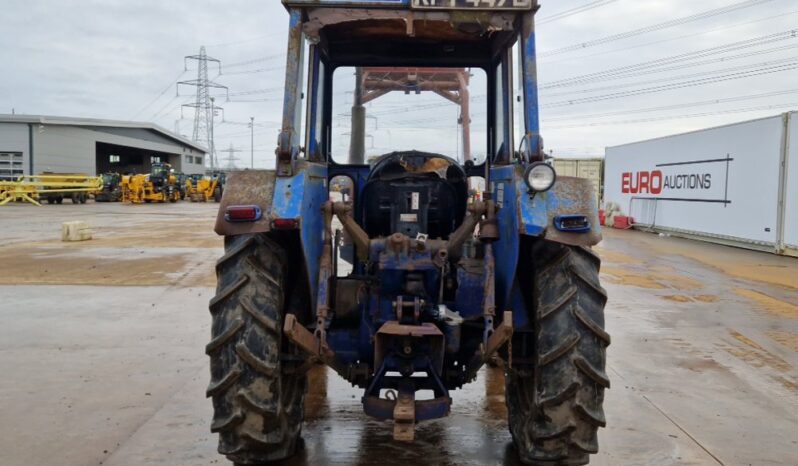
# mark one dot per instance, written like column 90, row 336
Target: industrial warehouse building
column 33, row 145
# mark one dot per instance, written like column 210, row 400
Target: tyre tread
column 556, row 409
column 257, row 410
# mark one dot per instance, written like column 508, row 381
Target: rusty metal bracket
column 501, row 335
column 325, row 274
column 402, row 407
column 489, row 301
column 307, row 342
column 404, row 417
column 394, row 330
column 466, row 229
column 343, row 211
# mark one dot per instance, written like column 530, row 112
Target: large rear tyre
column 555, row 403
column 258, row 407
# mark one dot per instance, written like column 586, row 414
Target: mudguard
column 573, row 196
column 533, row 214
column 299, row 197
column 569, row 196
column 524, row 214
column 251, row 187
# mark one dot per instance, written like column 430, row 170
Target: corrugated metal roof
column 73, row 121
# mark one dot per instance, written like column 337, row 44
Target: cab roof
column 368, row 33
column 478, row 5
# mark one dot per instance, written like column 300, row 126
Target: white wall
column 188, row 163
column 791, row 198
column 63, row 149
column 745, row 207
column 14, row 138
column 72, row 149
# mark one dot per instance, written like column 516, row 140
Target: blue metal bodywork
column 301, row 197
column 301, row 193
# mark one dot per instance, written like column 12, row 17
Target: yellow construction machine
column 202, row 188
column 50, row 187
column 159, row 186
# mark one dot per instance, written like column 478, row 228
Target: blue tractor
column 427, row 267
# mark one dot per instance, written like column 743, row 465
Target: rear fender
column 568, row 196
column 251, row 187
column 522, row 214
column 299, row 197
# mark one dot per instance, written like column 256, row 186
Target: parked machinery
column 159, row 186
column 111, row 190
column 203, row 188
column 221, row 179
column 438, row 285
column 50, row 187
column 181, row 182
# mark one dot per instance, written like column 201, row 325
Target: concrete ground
column 101, row 352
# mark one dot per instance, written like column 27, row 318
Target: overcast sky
column 120, row 59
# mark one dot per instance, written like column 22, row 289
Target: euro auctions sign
column 722, row 182
column 691, row 181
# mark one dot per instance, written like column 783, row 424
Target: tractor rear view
column 426, row 282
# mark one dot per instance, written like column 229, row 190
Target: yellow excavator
column 203, row 188
column 159, row 186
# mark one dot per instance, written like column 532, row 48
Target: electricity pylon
column 204, row 108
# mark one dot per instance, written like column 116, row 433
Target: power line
column 670, row 39
column 558, row 118
column 257, row 70
column 257, row 91
column 267, row 130
column 160, row 94
column 656, row 27
column 157, row 114
column 244, row 41
column 678, row 117
column 256, row 60
column 673, row 86
column 246, row 123
column 590, row 116
column 629, row 70
column 753, row 66
column 573, row 11
column 249, row 101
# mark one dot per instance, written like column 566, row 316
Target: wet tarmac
column 101, row 351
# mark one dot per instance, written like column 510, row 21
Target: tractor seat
column 414, row 193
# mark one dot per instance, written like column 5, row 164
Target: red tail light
column 285, row 223
column 243, row 213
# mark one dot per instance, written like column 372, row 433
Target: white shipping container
column 723, row 183
column 790, row 208
column 591, row 169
